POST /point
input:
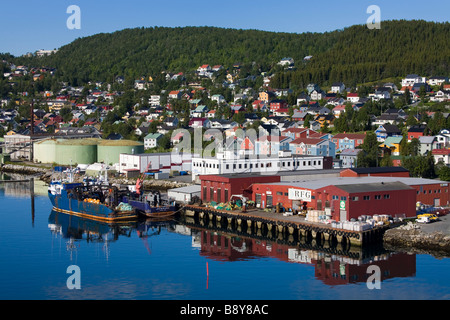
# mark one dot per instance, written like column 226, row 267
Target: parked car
column 423, row 220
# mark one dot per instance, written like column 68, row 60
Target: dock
column 271, row 224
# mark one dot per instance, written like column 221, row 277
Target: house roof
column 307, row 141
column 390, row 127
column 427, row 139
column 391, row 141
column 378, row 170
column 272, row 138
column 350, row 136
column 417, row 128
column 441, row 151
column 153, row 135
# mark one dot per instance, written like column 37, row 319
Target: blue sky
column 29, row 25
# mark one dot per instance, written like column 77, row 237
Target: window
column 279, row 193
column 366, row 197
column 226, row 195
column 227, row 166
column 344, row 198
column 386, row 196
column 377, row 197
column 335, row 197
column 355, row 198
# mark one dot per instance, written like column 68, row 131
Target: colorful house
column 392, row 143
column 348, row 140
column 313, row 146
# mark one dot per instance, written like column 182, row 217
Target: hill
column 354, row 54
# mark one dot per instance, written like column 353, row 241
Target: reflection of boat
column 75, row 227
column 94, row 201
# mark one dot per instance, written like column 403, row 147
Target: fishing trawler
column 93, row 199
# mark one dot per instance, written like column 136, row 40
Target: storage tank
column 66, row 151
column 108, row 151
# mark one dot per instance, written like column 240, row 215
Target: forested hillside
column 353, row 55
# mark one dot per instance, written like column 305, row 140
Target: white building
column 337, row 87
column 154, row 100
column 164, row 162
column 184, row 194
column 229, row 162
column 412, row 79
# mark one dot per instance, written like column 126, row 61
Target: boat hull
column 144, row 208
column 95, row 211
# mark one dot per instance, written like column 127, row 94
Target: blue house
column 387, row 130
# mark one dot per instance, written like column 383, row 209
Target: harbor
column 238, row 254
column 271, row 224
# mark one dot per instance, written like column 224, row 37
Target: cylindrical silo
column 108, row 151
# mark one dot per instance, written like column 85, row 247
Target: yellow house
column 392, row 143
column 264, row 96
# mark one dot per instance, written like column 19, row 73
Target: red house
column 416, row 132
column 278, row 104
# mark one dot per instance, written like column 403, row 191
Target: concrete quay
column 276, row 224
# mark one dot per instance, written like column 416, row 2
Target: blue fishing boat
column 94, row 201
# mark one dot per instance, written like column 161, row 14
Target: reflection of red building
column 344, row 270
column 338, row 272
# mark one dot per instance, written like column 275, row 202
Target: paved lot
column 442, row 225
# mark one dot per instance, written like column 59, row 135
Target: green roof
column 390, row 141
column 153, row 136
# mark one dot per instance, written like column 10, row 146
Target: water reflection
column 332, row 265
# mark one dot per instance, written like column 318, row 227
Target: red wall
column 399, row 201
column 235, row 185
column 427, row 193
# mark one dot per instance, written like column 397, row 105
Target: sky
column 30, row 25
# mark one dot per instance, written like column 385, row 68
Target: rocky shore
column 47, row 175
column 432, row 238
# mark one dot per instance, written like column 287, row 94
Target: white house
column 286, row 62
column 151, row 140
column 443, row 138
column 381, row 93
column 352, row 97
column 437, row 81
column 139, row 85
column 337, row 87
column 218, row 98
column 154, row 100
column 412, row 79
column 317, row 95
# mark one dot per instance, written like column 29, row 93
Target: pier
column 275, row 225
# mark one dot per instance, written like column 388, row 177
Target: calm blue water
column 171, row 261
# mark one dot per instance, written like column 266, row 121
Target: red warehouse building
column 220, row 188
column 375, row 172
column 342, row 198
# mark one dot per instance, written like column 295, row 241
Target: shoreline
column 47, row 174
column 432, row 238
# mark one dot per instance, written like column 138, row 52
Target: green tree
column 369, row 156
